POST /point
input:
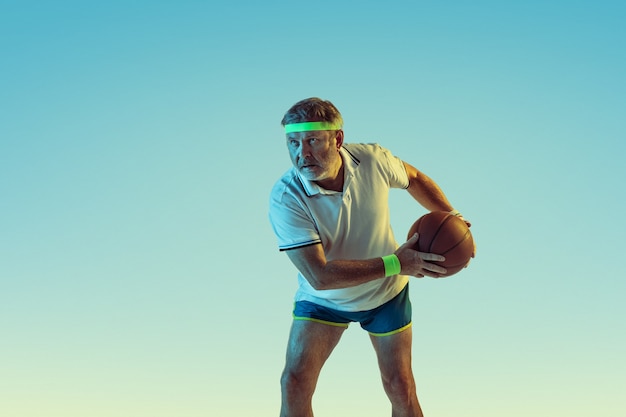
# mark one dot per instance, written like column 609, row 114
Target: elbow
column 319, row 281
column 319, row 284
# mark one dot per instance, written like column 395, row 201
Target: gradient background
column 139, row 276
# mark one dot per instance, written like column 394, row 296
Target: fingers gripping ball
column 443, row 233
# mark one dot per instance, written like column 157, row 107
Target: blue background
column 139, row 141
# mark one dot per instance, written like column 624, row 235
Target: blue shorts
column 392, row 317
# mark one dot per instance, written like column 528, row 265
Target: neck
column 334, row 183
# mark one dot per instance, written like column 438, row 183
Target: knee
column 400, row 386
column 294, row 383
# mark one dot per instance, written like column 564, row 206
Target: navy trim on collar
column 354, row 158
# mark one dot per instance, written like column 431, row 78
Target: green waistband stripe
column 309, row 126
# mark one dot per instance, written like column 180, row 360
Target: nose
column 305, row 149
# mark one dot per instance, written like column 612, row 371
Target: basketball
column 445, row 234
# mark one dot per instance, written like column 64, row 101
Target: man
column 331, row 217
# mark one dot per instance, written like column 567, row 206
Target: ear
column 339, row 138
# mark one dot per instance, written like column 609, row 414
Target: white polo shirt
column 353, row 224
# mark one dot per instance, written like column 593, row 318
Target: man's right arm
column 326, row 275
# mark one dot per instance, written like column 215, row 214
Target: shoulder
column 367, row 152
column 363, row 148
column 287, row 188
column 285, row 182
column 380, row 162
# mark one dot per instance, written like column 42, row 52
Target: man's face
column 315, row 154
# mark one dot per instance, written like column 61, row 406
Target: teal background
column 139, row 276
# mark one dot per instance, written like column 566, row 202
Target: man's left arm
column 426, row 191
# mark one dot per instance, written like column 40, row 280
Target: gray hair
column 313, row 109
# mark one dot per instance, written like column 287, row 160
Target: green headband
column 309, row 126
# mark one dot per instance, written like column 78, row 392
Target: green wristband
column 392, row 265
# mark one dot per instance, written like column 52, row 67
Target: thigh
column 394, row 352
column 310, row 344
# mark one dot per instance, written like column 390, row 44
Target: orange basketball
column 445, row 234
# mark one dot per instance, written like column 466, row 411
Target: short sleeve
column 292, row 223
column 396, row 170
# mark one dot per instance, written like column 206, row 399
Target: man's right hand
column 416, row 263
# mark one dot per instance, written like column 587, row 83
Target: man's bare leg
column 310, row 344
column 394, row 361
